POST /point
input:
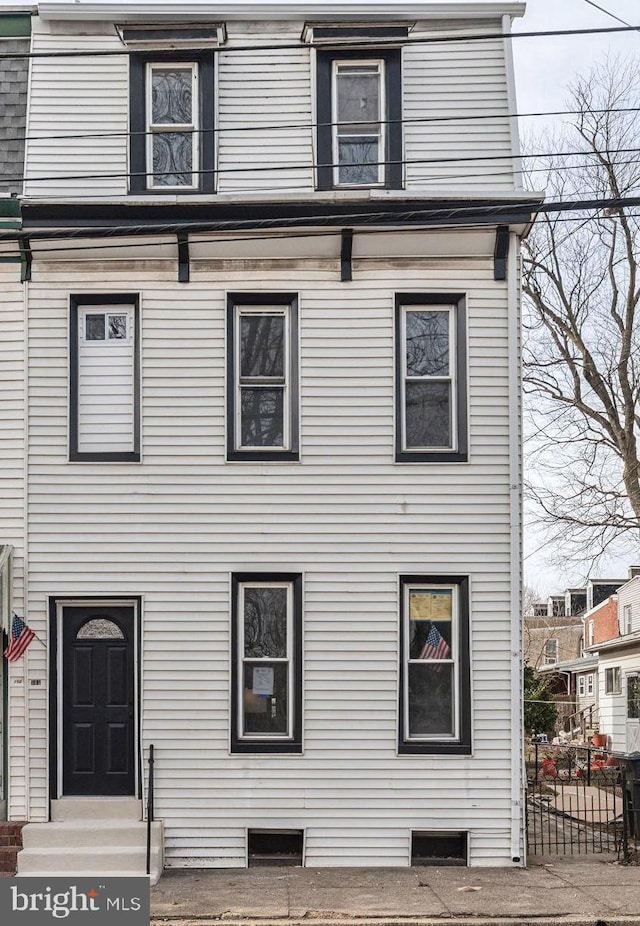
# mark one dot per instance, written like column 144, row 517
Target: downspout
column 518, row 851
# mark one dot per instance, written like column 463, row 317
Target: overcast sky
column 544, row 67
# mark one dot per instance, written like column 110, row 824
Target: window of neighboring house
column 359, row 109
column 267, row 663
column 633, row 697
column 581, row 685
column 590, row 633
column 171, row 119
column 435, row 693
column 431, row 378
column 550, row 651
column 626, row 619
column 104, row 405
column 613, row 680
column 590, row 684
column 263, row 377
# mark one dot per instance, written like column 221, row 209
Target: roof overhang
column 626, row 641
column 334, row 10
column 575, row 666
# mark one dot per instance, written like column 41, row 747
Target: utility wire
column 311, row 165
column 608, row 13
column 350, row 43
column 220, row 130
column 284, row 236
column 419, row 178
column 417, row 216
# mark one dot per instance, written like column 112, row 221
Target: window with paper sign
column 435, row 714
column 267, row 664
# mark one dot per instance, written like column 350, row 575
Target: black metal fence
column 580, row 800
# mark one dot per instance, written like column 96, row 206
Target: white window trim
column 591, row 631
column 626, row 619
column 590, row 684
column 242, row 660
column 455, row 660
column 266, row 309
column 549, row 658
column 452, row 378
column 164, row 128
column 581, row 686
column 378, row 63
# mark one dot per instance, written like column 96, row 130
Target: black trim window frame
column 203, row 120
column 457, row 450
column 391, row 173
column 266, row 742
column 77, row 303
column 458, row 741
column 285, row 304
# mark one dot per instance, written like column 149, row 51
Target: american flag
column 436, row 646
column 21, row 636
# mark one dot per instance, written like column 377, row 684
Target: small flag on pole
column 436, row 646
column 20, row 638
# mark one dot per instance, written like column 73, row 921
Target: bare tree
column 582, row 325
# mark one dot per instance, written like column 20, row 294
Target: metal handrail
column 150, row 808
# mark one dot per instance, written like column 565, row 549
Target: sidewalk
column 577, row 890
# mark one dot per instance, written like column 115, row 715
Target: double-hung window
column 359, row 109
column 267, row 663
column 431, row 378
column 551, row 651
column 435, row 699
column 104, row 402
column 613, row 680
column 262, row 396
column 171, row 116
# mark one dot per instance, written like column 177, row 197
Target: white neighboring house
column 619, row 674
column 272, row 462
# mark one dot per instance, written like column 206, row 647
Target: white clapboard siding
column 613, row 707
column 106, row 386
column 346, row 516
column 446, row 85
column 629, row 595
column 12, row 512
column 83, row 96
column 264, row 112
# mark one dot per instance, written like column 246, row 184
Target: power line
column 267, row 236
column 416, row 216
column 608, row 13
column 350, row 43
column 220, row 130
column 422, row 178
column 311, row 165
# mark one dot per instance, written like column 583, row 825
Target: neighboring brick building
column 602, row 622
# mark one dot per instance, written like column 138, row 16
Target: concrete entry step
column 77, row 862
column 92, row 809
column 101, row 834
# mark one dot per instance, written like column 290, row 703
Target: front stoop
column 91, row 837
column 10, row 845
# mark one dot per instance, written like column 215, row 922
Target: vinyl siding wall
column 175, row 527
column 629, row 594
column 12, row 510
column 613, row 708
column 265, row 110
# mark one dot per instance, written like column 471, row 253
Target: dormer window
column 359, row 110
column 171, row 107
column 358, row 126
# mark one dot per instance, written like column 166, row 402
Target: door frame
column 57, row 605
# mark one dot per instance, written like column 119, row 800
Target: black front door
column 98, row 698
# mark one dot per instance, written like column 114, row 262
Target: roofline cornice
column 332, row 10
